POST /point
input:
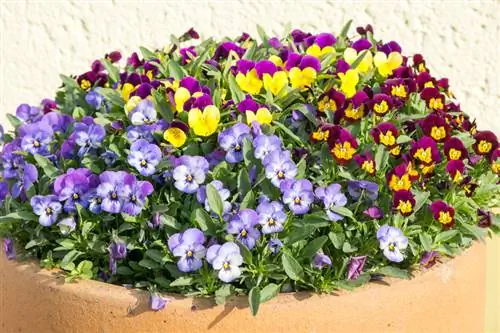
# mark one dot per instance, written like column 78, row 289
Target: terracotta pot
column 447, row 298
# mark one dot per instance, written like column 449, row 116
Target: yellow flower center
column 343, row 151
column 320, row 135
column 395, row 151
column 381, row 108
column 454, row 154
column 189, row 178
column 368, row 166
column 327, row 104
column 36, row 143
column 113, row 195
column 355, row 114
column 85, row 84
column 405, row 207
column 297, row 200
column 244, row 233
column 445, row 217
column 436, row 103
column 399, row 91
column 429, row 84
column 48, row 210
column 144, row 163
column 225, row 265
column 76, row 196
column 484, row 146
column 280, row 175
column 392, row 247
column 271, row 221
column 424, row 155
column 387, row 139
column 189, row 254
column 438, row 133
column 402, row 183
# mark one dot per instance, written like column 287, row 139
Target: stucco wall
column 40, row 39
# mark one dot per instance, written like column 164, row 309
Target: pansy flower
column 429, row 259
column 322, row 44
column 176, row 133
column 225, row 49
column 226, row 259
column 9, row 249
column 387, row 63
column 143, row 114
column 436, row 127
column 495, row 161
column 321, row 260
column 275, row 245
column 484, row 218
column 469, row 186
column 358, row 48
column 246, row 77
column 486, row 142
column 425, row 150
column 231, row 140
column 399, row 178
column 392, row 242
column 47, row 208
column 355, row 267
column 271, row 217
column 88, row 135
column 187, row 54
column 419, row 63
column 187, row 87
column 454, row 149
column 188, row 247
column 189, row 173
column 399, row 89
column 204, row 123
column 381, row 104
column 341, row 143
column 404, row 202
column 28, row 114
column 455, row 168
column 366, row 162
column 348, row 81
column 27, row 176
column 273, row 78
column 302, row 70
column 298, row 195
column 73, row 188
column 279, row 167
column 117, row 251
column 134, row 194
column 374, row 212
column 36, row 138
column 332, row 198
column 265, row 144
column 355, row 110
column 243, row 225
column 110, row 189
column 360, row 188
column 332, row 100
column 386, row 134
column 144, row 156
column 443, row 213
column 433, row 99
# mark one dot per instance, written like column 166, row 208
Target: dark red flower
column 404, row 202
column 484, row 218
column 454, row 149
column 433, row 98
column 435, row 126
column 443, row 213
column 486, row 143
column 366, row 162
column 386, row 134
column 381, row 104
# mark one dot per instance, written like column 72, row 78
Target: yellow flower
column 366, row 64
column 276, row 60
column 204, row 123
column 132, row 103
column 275, row 83
column 386, row 64
column 175, row 136
column 262, row 116
column 180, row 97
column 402, row 183
column 249, row 82
column 349, row 80
column 300, row 79
column 317, row 52
column 127, row 89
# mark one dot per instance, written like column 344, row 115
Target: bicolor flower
column 332, row 100
column 495, row 161
column 355, row 267
column 187, row 54
column 226, row 259
column 72, row 188
column 109, row 192
column 135, row 133
column 332, row 198
column 28, row 114
column 176, row 134
column 468, row 186
column 243, row 225
column 228, row 48
column 425, row 80
column 36, row 138
column 342, row 144
column 47, row 208
column 204, row 123
column 134, row 194
column 321, row 260
column 201, row 196
column 275, row 245
column 231, row 140
column 144, row 156
column 484, row 218
column 348, row 82
column 356, row 108
column 404, row 202
column 273, row 78
column 366, row 64
column 443, row 213
column 486, row 142
column 279, row 167
column 366, row 162
column 454, row 149
column 392, row 242
column 456, row 169
column 359, row 188
column 436, row 127
column 433, row 99
column 247, row 78
column 386, row 64
column 302, row 70
column 187, row 87
column 88, row 136
column 386, row 134
column 271, row 217
column 399, row 90
column 188, row 247
column 265, row 144
column 143, row 114
column 381, row 104
column 298, row 195
column 322, row 44
column 190, row 173
column 263, row 116
column 425, row 150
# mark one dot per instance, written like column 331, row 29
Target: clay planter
column 447, row 298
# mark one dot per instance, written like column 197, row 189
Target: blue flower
column 36, row 138
column 298, row 195
column 144, row 113
column 190, row 173
column 226, row 259
column 144, row 156
column 188, row 246
column 244, row 225
column 332, row 198
column 279, row 167
column 231, row 140
column 271, row 217
column 27, row 175
column 88, row 136
column 94, row 98
column 357, row 188
column 47, row 208
column 264, row 144
column 392, row 242
column 321, row 260
column 28, row 114
column 275, row 245
column 67, row 225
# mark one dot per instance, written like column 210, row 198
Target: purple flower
column 392, row 242
column 279, row 167
column 95, row 202
column 332, row 198
column 231, row 140
column 88, row 136
column 67, row 225
column 47, row 208
column 355, row 267
column 8, row 248
column 94, row 98
column 59, row 122
column 429, row 259
column 72, row 188
column 28, row 114
column 357, row 188
column 135, row 133
column 28, row 174
column 265, row 144
column 226, row 259
column 4, row 191
column 298, row 195
column 11, row 160
column 155, row 222
column 243, row 225
column 190, row 173
column 117, row 251
column 187, row 54
column 375, row 213
column 275, row 245
column 144, row 156
column 110, row 189
column 144, row 113
column 157, row 303
column 321, row 260
column 188, row 246
column 134, row 194
column 201, row 196
column 36, row 138
column 271, row 217
column 109, row 157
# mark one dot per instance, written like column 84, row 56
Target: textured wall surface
column 40, row 39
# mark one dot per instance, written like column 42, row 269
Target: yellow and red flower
column 356, row 109
column 425, row 151
column 435, row 126
column 399, row 178
column 381, row 104
column 332, row 100
column 385, row 134
column 433, row 99
column 366, row 162
column 443, row 213
column 404, row 202
column 454, row 149
column 341, row 143
column 486, row 143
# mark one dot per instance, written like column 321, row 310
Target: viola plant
column 297, row 162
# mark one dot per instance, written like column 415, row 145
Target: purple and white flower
column 392, row 242
column 298, row 195
column 332, row 198
column 144, row 113
column 231, row 140
column 279, row 167
column 190, row 173
column 67, row 225
column 47, row 208
column 27, row 175
column 243, row 225
column 117, row 251
column 94, row 98
column 28, row 114
column 88, row 136
column 265, row 144
column 8, row 248
column 226, row 259
column 271, row 217
column 134, row 194
column 188, row 246
column 144, row 156
column 36, row 138
column 110, row 191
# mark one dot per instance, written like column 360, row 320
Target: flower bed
column 310, row 162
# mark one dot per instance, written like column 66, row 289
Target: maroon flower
column 332, row 100
column 443, row 213
column 356, row 109
column 134, row 61
column 435, row 126
column 433, row 98
column 425, row 150
column 381, row 104
column 484, row 218
column 386, row 134
column 341, row 143
column 419, row 63
column 429, row 259
column 455, row 169
column 486, row 142
column 404, row 202
column 355, row 267
column 469, row 186
column 366, row 162
column 399, row 89
column 113, row 56
column 495, row 161
column 454, row 149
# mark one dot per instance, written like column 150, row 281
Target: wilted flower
column 157, row 303
column 47, row 208
column 321, row 260
column 429, row 259
column 355, row 267
column 443, row 213
column 332, row 198
column 144, row 157
column 117, row 251
column 275, row 245
column 8, row 248
column 358, row 188
column 188, row 246
column 484, row 218
column 244, row 225
column 226, row 259
column 392, row 242
column 67, row 225
column 271, row 217
column 231, row 140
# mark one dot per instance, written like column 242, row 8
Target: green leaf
column 113, row 96
column 381, row 157
column 262, row 34
column 124, row 270
column 205, row 222
column 175, row 70
column 345, row 29
column 68, row 259
column 247, row 151
column 33, row 243
column 420, row 200
column 245, row 253
column 147, row 54
column 69, row 82
column 182, row 281
column 288, row 132
column 214, row 200
column 359, row 59
column 314, row 246
column 162, row 281
column 21, row 215
column 343, row 211
column 394, row 272
column 426, row 241
column 299, row 233
column 403, row 139
column 85, row 269
column 48, row 168
column 170, row 221
column 248, row 201
column 254, row 300
column 244, row 184
column 445, row 236
column 113, row 72
column 306, row 112
column 269, row 292
column 14, row 121
column 348, row 248
column 292, row 267
column 148, row 263
column 222, row 294
column 162, row 106
column 155, row 255
column 235, row 90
